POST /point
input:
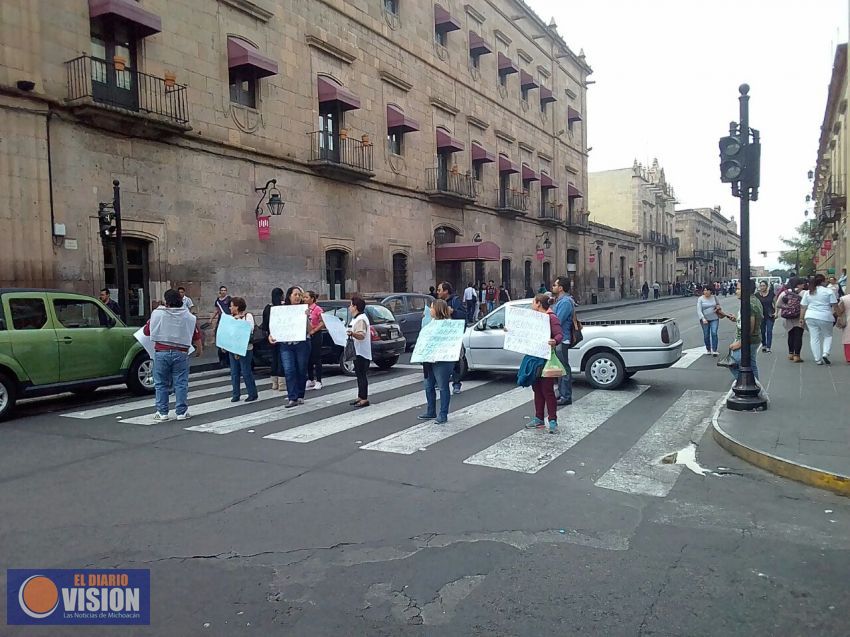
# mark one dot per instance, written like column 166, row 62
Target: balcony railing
column 449, row 186
column 550, row 212
column 515, row 201
column 92, row 80
column 341, row 155
column 576, row 219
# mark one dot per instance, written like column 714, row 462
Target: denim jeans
column 709, row 334
column 767, row 332
column 294, row 357
column 438, row 376
column 242, row 367
column 171, row 369
column 470, row 311
column 736, row 356
column 565, row 383
column 491, row 305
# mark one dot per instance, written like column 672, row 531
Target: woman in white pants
column 816, row 312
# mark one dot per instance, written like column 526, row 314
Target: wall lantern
column 546, row 242
column 274, row 202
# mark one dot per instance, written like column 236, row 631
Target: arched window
column 527, row 279
column 506, row 275
column 444, row 234
column 400, row 272
column 336, row 262
column 547, row 275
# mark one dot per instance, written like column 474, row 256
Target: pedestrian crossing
column 397, row 397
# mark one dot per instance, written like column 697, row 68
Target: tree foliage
column 804, row 246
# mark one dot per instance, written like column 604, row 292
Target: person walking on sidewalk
column 817, row 304
column 111, row 303
column 544, row 388
column 294, row 356
column 173, row 329
column 360, row 331
column 241, row 365
column 438, row 375
column 221, row 308
column 767, row 298
column 445, row 291
column 470, row 300
column 564, row 309
column 842, row 313
column 276, row 367
column 745, row 293
column 504, row 295
column 644, row 291
column 490, row 296
column 314, row 334
column 709, row 315
column 788, row 307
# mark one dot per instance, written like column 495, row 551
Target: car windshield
column 379, row 314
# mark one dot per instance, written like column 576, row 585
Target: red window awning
column 507, row 166
column 481, row 155
column 477, row 45
column 526, row 80
column 448, row 144
column 546, row 182
column 506, row 66
column 483, row 251
column 546, row 96
column 330, row 91
column 573, row 192
column 443, row 20
column 573, row 115
column 399, row 122
column 243, row 57
column 528, row 174
column 144, row 23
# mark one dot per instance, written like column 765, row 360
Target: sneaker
column 290, row 404
column 767, row 350
column 564, row 401
column 185, row 416
column 708, row 352
column 826, row 360
column 161, row 417
column 534, row 423
column 235, row 399
column 715, row 354
column 318, row 385
column 441, row 421
column 251, row 399
column 310, row 384
column 456, row 389
column 820, row 362
column 300, row 401
column 425, row 417
column 553, row 426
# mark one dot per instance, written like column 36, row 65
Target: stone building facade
column 639, row 200
column 613, row 263
column 709, row 245
column 410, row 142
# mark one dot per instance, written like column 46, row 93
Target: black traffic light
column 106, row 219
column 731, row 159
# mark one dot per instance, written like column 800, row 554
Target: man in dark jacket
column 446, row 292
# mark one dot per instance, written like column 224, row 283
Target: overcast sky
column 667, row 74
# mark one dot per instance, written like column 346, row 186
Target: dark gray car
column 408, row 309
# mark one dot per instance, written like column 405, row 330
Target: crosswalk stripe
column 421, row 436
column 530, row 451
column 639, row 470
column 258, row 418
column 689, row 357
column 350, row 420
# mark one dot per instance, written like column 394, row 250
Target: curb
column 600, row 308
column 835, row 482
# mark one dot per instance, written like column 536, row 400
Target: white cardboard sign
column 288, row 323
column 336, row 328
column 527, row 332
column 439, row 341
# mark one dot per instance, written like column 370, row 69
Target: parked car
column 408, row 309
column 387, row 340
column 53, row 342
column 610, row 352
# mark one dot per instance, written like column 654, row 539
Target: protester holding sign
column 438, row 346
column 314, row 333
column 294, row 355
column 542, row 385
column 241, row 365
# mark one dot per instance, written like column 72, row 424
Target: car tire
column 140, row 375
column 386, row 363
column 464, row 367
column 604, row 370
column 628, row 375
column 346, row 368
column 8, row 396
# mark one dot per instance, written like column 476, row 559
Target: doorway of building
column 335, row 267
column 139, row 303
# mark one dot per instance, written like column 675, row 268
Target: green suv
column 53, row 342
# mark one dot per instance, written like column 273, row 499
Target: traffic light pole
column 120, row 253
column 746, row 394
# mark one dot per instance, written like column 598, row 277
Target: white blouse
column 819, row 305
column 363, row 348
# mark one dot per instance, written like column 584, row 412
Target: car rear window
column 379, row 314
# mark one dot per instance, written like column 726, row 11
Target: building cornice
column 396, row 81
column 478, row 123
column 331, row 45
column 444, row 106
column 255, row 9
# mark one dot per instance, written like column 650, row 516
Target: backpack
column 791, row 307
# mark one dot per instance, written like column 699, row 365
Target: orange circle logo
column 38, row 596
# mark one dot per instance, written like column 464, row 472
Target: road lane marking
column 689, row 357
column 639, row 470
column 528, row 451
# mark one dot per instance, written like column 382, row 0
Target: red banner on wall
column 541, row 255
column 827, row 244
column 264, row 227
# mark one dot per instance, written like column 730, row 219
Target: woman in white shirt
column 241, row 365
column 359, row 330
column 816, row 313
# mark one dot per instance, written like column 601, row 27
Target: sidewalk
column 612, row 305
column 805, row 432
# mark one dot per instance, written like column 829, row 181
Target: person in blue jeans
column 767, row 299
column 295, row 356
column 744, row 292
column 438, row 375
column 241, row 365
column 709, row 315
column 564, row 309
column 446, row 292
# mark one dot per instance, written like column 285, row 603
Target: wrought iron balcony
column 341, row 156
column 125, row 99
column 449, row 188
column 550, row 213
column 513, row 202
column 577, row 220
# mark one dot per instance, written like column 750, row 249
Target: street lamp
column 546, row 242
column 275, row 203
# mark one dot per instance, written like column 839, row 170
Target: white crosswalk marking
column 424, row 435
column 639, row 470
column 529, row 451
column 257, row 418
column 350, row 420
column 689, row 357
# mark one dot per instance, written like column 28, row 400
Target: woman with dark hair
column 709, row 315
column 438, row 374
column 767, row 299
column 314, row 334
column 816, row 312
column 241, row 365
column 544, row 388
column 788, row 307
column 360, row 331
column 276, row 367
column 294, row 356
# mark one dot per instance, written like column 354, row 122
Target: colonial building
column 830, row 176
column 639, row 200
column 410, row 142
column 613, row 264
column 709, row 245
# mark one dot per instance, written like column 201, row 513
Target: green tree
column 802, row 248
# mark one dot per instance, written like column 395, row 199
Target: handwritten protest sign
column 233, row 335
column 147, row 342
column 439, row 341
column 336, row 329
column 527, row 332
column 288, row 323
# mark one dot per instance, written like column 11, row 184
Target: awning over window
column 526, row 80
column 143, row 22
column 506, row 67
column 481, row 155
column 399, row 122
column 330, row 91
column 483, row 251
column 546, row 182
column 546, row 96
column 573, row 115
column 477, row 45
column 446, row 143
column 443, row 20
column 573, row 192
column 507, row 166
column 528, row 174
column 242, row 57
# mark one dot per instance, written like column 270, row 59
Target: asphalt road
column 306, row 533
